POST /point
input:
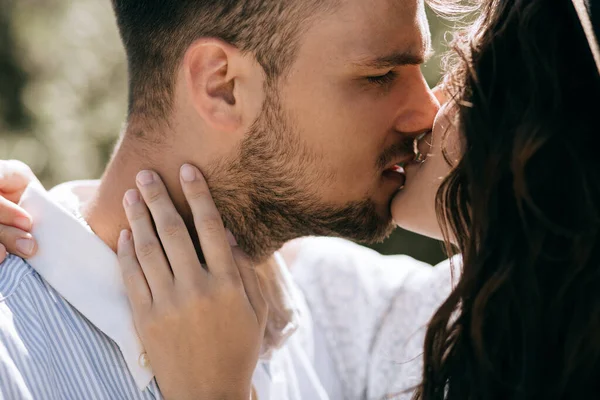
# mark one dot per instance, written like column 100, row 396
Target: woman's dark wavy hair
column 523, row 208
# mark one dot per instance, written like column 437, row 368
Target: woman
column 520, row 201
column 522, row 206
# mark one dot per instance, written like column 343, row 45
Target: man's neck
column 104, row 213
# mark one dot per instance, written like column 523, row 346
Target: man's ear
column 211, row 72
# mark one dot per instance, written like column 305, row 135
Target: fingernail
column 188, row 173
column 146, row 178
column 25, row 246
column 125, row 236
column 132, row 197
column 23, row 223
column 231, row 238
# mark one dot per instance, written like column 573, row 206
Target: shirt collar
column 85, row 271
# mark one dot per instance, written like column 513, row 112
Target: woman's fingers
column 17, row 241
column 171, row 229
column 251, row 284
column 15, row 176
column 13, row 215
column 147, row 246
column 133, row 275
column 197, row 326
column 15, row 223
column 3, row 253
column 208, row 222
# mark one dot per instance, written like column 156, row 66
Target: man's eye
column 383, row 80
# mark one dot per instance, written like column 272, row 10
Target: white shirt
column 371, row 311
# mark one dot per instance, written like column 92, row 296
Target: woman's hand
column 202, row 328
column 15, row 223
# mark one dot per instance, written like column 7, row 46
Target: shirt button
column 144, row 361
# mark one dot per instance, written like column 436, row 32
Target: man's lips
column 396, row 171
column 395, row 168
column 400, row 162
column 398, row 168
column 397, row 174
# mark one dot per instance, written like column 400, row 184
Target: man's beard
column 268, row 193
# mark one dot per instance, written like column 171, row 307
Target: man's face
column 319, row 160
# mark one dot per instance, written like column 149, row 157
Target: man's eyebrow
column 397, row 59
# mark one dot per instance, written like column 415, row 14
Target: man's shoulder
column 20, row 285
column 15, row 275
column 27, row 349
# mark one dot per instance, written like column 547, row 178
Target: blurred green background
column 63, row 94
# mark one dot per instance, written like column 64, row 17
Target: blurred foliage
column 63, row 93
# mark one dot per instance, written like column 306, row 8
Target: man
column 297, row 112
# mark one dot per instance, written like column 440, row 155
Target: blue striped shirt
column 48, row 350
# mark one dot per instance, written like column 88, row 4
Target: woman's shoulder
column 323, row 258
column 395, row 365
column 350, row 291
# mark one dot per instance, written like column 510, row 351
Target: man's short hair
column 156, row 34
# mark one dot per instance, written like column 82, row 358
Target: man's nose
column 417, row 113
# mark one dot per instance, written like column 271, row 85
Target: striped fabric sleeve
column 18, row 366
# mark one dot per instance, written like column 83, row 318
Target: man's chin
column 380, row 232
column 369, row 228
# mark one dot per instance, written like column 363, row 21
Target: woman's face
column 413, row 208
